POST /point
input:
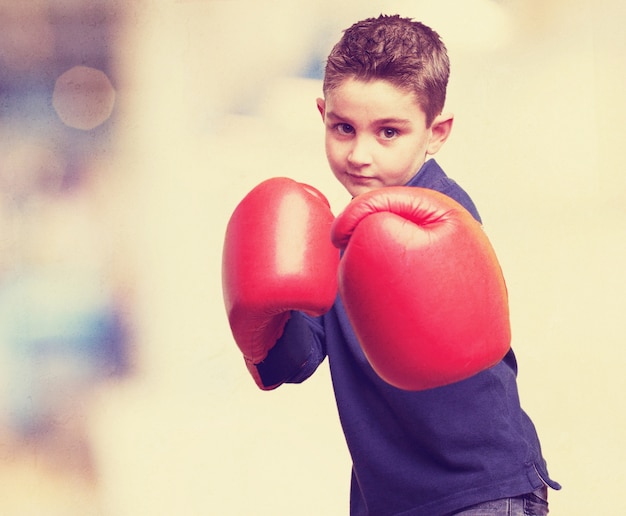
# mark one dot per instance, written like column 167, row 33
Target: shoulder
column 432, row 176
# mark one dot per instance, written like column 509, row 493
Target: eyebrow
column 382, row 121
column 394, row 121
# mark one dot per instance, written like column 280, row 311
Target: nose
column 360, row 153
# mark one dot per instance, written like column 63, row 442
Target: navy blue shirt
column 417, row 453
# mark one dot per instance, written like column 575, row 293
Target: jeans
column 531, row 504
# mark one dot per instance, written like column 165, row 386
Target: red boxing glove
column 422, row 287
column 277, row 257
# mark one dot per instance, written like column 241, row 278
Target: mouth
column 359, row 177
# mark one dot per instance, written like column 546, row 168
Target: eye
column 389, row 133
column 344, row 129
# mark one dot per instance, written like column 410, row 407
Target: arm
column 277, row 260
column 296, row 354
column 422, row 287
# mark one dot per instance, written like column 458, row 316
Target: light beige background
column 213, row 104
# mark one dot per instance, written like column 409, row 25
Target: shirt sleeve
column 297, row 354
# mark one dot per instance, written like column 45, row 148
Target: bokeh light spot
column 83, row 97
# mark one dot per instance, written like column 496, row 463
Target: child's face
column 376, row 134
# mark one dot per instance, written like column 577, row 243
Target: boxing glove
column 422, row 287
column 277, row 257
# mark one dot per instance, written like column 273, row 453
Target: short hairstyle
column 406, row 53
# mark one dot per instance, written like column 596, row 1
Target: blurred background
column 128, row 134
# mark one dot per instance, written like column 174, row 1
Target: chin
column 359, row 190
column 360, row 187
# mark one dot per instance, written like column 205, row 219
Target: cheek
column 410, row 157
column 333, row 152
column 399, row 167
column 398, row 163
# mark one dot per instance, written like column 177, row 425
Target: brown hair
column 406, row 53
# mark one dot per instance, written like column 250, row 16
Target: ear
column 321, row 107
column 440, row 130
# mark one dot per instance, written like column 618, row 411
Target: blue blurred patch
column 60, row 334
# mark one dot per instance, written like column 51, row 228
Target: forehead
column 373, row 100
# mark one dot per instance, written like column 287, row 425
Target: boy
column 463, row 447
